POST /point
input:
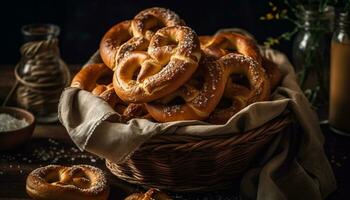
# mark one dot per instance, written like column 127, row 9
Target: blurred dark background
column 83, row 22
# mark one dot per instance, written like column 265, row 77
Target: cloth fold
column 293, row 167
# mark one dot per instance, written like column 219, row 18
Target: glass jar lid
column 35, row 32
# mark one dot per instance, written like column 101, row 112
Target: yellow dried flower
column 269, row 16
column 277, row 16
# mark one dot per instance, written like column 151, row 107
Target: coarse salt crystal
column 9, row 123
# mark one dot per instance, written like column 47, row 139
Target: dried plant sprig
column 292, row 14
column 299, row 6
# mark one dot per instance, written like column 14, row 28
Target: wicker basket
column 193, row 163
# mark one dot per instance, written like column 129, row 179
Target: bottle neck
column 314, row 19
column 344, row 21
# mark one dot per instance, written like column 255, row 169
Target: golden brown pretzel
column 134, row 110
column 151, row 194
column 134, row 35
column 272, row 71
column 107, row 93
column 112, row 40
column 67, row 183
column 89, row 78
column 223, row 43
column 199, row 95
column 171, row 59
column 236, row 96
column 148, row 21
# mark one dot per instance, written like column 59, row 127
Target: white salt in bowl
column 14, row 138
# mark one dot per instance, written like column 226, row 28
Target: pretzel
column 199, row 95
column 148, row 21
column 132, row 111
column 151, row 194
column 88, row 79
column 171, row 59
column 112, row 40
column 89, row 76
column 223, row 43
column 107, row 93
column 272, row 71
column 133, row 35
column 67, row 183
column 236, row 97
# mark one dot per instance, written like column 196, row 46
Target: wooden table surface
column 51, row 144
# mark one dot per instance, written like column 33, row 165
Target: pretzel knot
column 60, row 182
column 196, row 99
column 236, row 96
column 224, row 43
column 172, row 57
column 148, row 21
column 133, row 35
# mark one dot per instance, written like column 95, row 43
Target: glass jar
column 339, row 111
column 311, row 53
column 41, row 73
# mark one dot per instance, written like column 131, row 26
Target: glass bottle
column 311, row 53
column 339, row 111
column 41, row 73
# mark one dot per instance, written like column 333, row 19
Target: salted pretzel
column 133, row 35
column 89, row 76
column 97, row 78
column 223, row 43
column 151, row 194
column 87, row 79
column 147, row 22
column 67, row 183
column 226, row 42
column 272, row 71
column 236, row 97
column 171, row 59
column 112, row 40
column 198, row 97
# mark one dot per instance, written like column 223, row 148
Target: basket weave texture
column 194, row 163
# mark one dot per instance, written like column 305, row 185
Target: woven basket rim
column 284, row 117
column 151, row 159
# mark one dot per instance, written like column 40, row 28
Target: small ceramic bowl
column 17, row 137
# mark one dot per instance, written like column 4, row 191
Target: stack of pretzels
column 156, row 67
